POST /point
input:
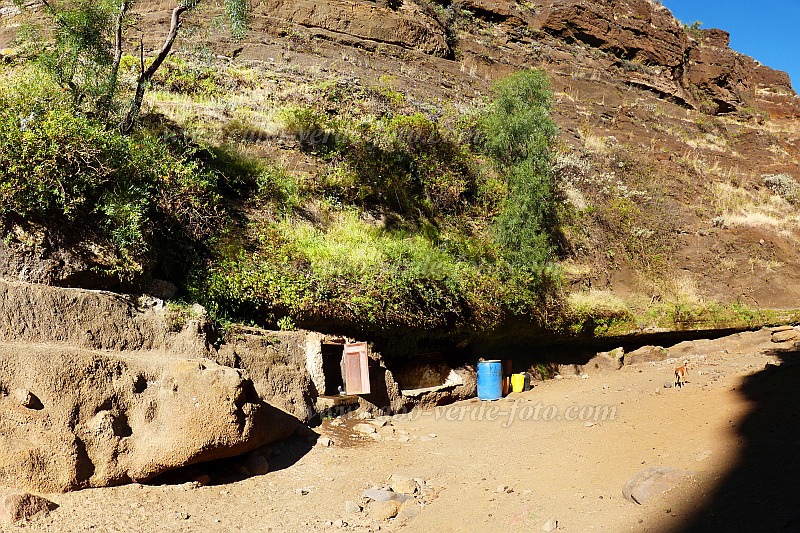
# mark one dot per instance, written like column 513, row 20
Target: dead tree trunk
column 114, row 77
column 146, row 74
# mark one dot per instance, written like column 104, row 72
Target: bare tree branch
column 147, row 74
column 123, row 10
column 141, row 54
column 113, row 79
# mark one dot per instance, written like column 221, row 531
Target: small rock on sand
column 25, row 398
column 351, row 507
column 365, row 429
column 405, row 486
column 23, row 506
column 651, row 482
column 408, row 511
column 384, row 510
column 550, row 525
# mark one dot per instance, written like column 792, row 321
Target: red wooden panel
column 356, row 368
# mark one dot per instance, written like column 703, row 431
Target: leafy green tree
column 519, row 137
column 79, row 55
column 518, row 125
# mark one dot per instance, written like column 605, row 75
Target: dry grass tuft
column 597, row 303
column 739, row 207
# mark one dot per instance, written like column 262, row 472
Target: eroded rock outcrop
column 98, row 388
column 629, row 29
column 95, row 320
column 725, row 80
column 99, row 419
column 693, row 67
column 276, row 362
column 287, row 370
column 35, row 254
column 406, row 27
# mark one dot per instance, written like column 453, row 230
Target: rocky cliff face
column 642, row 103
column 694, row 67
column 359, row 22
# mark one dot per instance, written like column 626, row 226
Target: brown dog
column 681, row 373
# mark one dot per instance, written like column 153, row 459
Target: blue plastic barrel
column 490, row 380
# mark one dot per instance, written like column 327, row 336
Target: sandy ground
column 507, row 465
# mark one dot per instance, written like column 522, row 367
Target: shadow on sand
column 279, row 455
column 762, row 491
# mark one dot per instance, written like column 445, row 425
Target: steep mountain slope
column 678, row 157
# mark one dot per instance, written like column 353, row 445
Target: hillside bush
column 784, row 186
column 408, row 227
column 402, row 163
column 519, row 136
column 62, row 168
column 352, row 273
column 518, row 125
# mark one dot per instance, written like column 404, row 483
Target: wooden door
column 356, row 368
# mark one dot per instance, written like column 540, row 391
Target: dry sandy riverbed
column 516, row 463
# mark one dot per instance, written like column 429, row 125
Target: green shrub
column 306, row 125
column 286, row 324
column 784, row 186
column 177, row 315
column 276, row 185
column 61, row 167
column 356, row 274
column 518, row 125
column 694, row 30
column 401, row 163
column 519, row 135
column 595, row 312
column 177, row 76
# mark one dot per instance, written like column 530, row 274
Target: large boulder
column 276, row 362
column 612, row 360
column 72, row 418
column 646, row 354
column 652, row 482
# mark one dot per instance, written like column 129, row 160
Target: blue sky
column 766, row 30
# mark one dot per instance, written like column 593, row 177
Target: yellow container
column 518, row 382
